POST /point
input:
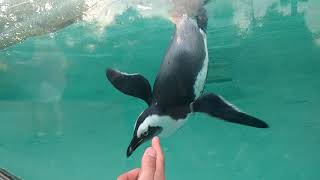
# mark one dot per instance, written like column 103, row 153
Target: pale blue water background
column 61, row 119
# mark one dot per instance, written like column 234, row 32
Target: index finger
column 160, row 164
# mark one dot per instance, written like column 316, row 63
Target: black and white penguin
column 177, row 91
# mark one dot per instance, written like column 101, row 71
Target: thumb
column 148, row 164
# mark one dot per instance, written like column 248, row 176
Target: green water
column 61, row 119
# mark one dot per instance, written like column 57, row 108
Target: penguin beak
column 134, row 144
column 137, row 141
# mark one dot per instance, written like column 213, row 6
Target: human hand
column 152, row 165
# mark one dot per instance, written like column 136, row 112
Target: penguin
column 178, row 89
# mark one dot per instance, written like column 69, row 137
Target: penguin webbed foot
column 216, row 106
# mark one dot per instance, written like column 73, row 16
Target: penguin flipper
column 216, row 106
column 131, row 84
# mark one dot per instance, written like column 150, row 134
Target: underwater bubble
column 4, row 8
column 70, row 42
column 131, row 18
column 51, row 35
column 142, row 7
column 48, row 6
column 91, row 47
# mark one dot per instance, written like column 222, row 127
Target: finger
column 160, row 174
column 148, row 164
column 131, row 175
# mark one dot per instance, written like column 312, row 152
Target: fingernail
column 151, row 152
column 154, row 139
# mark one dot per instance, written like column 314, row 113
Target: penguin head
column 146, row 127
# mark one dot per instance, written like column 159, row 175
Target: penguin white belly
column 202, row 75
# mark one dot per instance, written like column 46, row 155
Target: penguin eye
column 146, row 133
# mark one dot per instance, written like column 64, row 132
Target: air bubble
column 48, row 6
column 51, row 35
column 3, row 8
